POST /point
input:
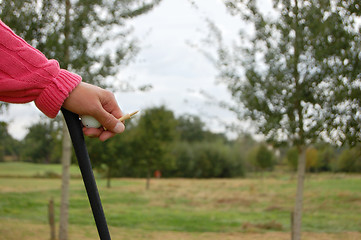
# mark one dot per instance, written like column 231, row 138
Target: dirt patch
column 275, row 208
column 235, row 201
column 255, row 227
column 348, row 197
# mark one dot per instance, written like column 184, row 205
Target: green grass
column 332, row 203
column 25, row 170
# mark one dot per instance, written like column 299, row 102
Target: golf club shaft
column 77, row 137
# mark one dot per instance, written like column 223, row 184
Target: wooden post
column 292, row 226
column 51, row 217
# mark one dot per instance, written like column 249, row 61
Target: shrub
column 292, row 158
column 265, row 158
column 260, row 158
column 311, row 159
column 326, row 157
column 206, row 160
column 251, row 159
column 349, row 160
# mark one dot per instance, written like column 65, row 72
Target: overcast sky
column 177, row 71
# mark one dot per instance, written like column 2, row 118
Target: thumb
column 110, row 122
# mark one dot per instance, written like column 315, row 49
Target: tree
column 201, row 153
column 8, row 145
column 66, row 144
column 265, row 158
column 83, row 28
column 260, row 158
column 191, row 128
column 113, row 158
column 95, row 33
column 102, row 157
column 40, row 142
column 154, row 134
column 343, row 40
column 290, row 71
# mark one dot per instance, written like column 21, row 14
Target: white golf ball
column 90, row 122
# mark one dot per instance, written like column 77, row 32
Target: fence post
column 51, row 217
column 292, row 226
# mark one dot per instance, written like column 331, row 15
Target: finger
column 92, row 132
column 109, row 121
column 110, row 105
column 106, row 135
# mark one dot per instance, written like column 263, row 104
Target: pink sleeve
column 27, row 75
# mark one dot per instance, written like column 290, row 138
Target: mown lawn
column 24, row 170
column 185, row 208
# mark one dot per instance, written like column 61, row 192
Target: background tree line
column 178, row 147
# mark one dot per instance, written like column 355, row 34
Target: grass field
column 251, row 208
column 26, row 170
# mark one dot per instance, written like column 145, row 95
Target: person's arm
column 27, row 75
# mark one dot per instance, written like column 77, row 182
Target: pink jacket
column 27, row 75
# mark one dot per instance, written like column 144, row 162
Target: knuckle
column 94, row 109
column 108, row 94
column 108, row 121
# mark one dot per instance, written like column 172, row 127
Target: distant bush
column 326, row 159
column 265, row 158
column 311, row 159
column 260, row 158
column 251, row 159
column 184, row 154
column 206, row 160
column 349, row 160
column 292, row 158
column 319, row 158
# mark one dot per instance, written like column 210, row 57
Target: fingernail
column 119, row 128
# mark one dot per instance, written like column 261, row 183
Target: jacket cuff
column 53, row 96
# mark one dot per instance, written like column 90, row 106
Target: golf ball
column 90, row 122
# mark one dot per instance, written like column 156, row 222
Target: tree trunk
column 64, row 204
column 108, row 177
column 148, row 179
column 297, row 212
column 67, row 147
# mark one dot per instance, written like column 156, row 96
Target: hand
column 87, row 99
